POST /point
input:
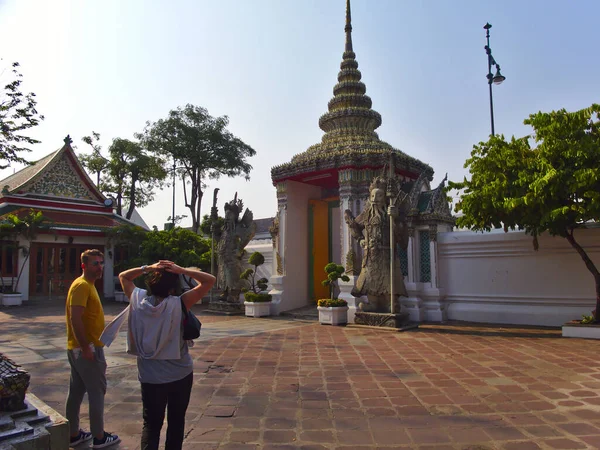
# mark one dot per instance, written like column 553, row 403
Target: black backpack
column 191, row 324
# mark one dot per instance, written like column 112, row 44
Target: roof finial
column 68, row 140
column 348, row 27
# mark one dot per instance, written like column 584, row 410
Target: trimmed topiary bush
column 329, row 303
column 255, row 293
column 334, row 272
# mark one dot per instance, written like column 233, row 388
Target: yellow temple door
column 318, row 241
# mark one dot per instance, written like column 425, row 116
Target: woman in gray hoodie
column 165, row 367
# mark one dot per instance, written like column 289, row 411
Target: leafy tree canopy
column 201, row 147
column 18, row 113
column 205, row 226
column 182, row 246
column 129, row 173
column 546, row 182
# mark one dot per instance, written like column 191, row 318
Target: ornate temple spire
column 349, row 124
column 348, row 27
column 349, row 113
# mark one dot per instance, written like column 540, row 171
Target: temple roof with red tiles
column 58, row 186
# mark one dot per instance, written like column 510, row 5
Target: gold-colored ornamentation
column 279, row 264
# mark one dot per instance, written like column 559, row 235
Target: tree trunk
column 120, row 204
column 591, row 267
column 131, row 198
column 198, row 205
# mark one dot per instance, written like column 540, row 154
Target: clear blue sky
column 270, row 65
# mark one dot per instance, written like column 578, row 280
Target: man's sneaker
column 81, row 437
column 106, row 441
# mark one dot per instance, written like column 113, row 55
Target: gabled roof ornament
column 68, row 140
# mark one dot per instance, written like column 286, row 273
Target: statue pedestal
column 399, row 321
column 218, row 306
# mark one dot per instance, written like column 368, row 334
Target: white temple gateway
column 317, row 186
column 492, row 277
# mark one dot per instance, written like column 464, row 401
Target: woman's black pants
column 174, row 397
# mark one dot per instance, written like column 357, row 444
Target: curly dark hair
column 162, row 284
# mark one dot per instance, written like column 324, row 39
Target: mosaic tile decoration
column 424, row 257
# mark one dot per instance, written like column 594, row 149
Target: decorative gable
column 60, row 179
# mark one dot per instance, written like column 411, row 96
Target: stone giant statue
column 232, row 239
column 372, row 231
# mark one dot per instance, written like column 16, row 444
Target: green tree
column 256, row 286
column 94, row 162
column 129, row 173
column 205, row 226
column 129, row 237
column 202, row 147
column 182, row 246
column 334, row 273
column 18, row 113
column 551, row 187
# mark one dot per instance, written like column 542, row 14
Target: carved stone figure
column 372, row 231
column 232, row 239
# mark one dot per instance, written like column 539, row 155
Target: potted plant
column 586, row 328
column 258, row 302
column 28, row 228
column 333, row 311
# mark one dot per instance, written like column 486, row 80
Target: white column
column 433, row 261
column 277, row 281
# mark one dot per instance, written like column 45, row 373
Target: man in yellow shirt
column 85, row 323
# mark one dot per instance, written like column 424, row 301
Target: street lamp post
column 173, row 216
column 498, row 78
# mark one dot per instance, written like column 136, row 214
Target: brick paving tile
column 467, row 435
column 504, row 433
column 593, row 441
column 354, row 437
column 586, row 414
column 239, row 446
column 523, row 445
column 199, row 446
column 564, row 443
column 244, row 436
column 205, row 435
column 428, row 436
column 434, row 447
column 391, row 437
column 279, row 436
column 583, row 393
column 543, row 431
column 579, row 429
column 324, row 436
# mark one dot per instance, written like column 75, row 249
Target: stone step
column 36, row 420
column 6, row 423
column 22, row 413
column 17, row 431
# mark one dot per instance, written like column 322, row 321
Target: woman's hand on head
column 170, row 266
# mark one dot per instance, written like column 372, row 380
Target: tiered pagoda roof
column 350, row 140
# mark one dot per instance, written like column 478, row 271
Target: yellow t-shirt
column 83, row 293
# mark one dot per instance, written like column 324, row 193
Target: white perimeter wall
column 497, row 277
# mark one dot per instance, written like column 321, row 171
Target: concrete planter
column 576, row 329
column 258, row 309
column 12, row 299
column 333, row 316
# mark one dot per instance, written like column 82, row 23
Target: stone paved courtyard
column 274, row 383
